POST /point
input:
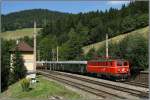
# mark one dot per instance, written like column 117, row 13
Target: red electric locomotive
column 111, row 68
column 114, row 69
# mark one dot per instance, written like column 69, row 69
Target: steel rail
column 140, row 84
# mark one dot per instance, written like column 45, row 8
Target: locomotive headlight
column 123, row 69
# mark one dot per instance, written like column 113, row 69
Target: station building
column 28, row 56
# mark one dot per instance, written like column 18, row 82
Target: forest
column 70, row 32
column 91, row 26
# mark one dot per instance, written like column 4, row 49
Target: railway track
column 81, row 86
column 116, row 87
column 137, row 84
column 95, row 87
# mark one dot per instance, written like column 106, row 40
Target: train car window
column 119, row 63
column 125, row 63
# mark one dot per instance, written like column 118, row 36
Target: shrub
column 25, row 84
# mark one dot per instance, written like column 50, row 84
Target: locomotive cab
column 122, row 69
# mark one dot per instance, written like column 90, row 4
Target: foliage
column 25, row 84
column 72, row 48
column 28, row 40
column 18, row 69
column 45, row 47
column 135, row 49
column 5, row 62
column 91, row 54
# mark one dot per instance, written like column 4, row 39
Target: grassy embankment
column 43, row 89
column 19, row 33
column 144, row 31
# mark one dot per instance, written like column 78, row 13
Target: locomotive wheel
column 103, row 76
column 99, row 75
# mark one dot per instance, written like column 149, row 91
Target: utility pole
column 106, row 45
column 34, row 36
column 57, row 53
column 53, row 55
column 38, row 52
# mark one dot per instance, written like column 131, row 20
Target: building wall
column 28, row 61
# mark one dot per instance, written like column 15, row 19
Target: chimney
column 17, row 42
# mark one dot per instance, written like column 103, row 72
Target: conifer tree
column 18, row 70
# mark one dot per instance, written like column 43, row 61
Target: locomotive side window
column 119, row 63
column 110, row 63
column 125, row 63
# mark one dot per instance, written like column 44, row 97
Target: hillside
column 89, row 27
column 19, row 33
column 116, row 39
column 25, row 18
column 73, row 31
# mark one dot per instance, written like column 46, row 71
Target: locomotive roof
column 108, row 60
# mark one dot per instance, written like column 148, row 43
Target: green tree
column 45, row 46
column 128, row 24
column 5, row 62
column 82, row 32
column 135, row 49
column 72, row 48
column 18, row 69
column 91, row 54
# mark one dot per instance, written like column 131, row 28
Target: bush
column 91, row 54
column 25, row 84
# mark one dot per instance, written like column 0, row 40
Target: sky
column 9, row 6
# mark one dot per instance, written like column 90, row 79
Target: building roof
column 23, row 46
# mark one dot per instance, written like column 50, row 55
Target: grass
column 19, row 33
column 42, row 89
column 144, row 31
